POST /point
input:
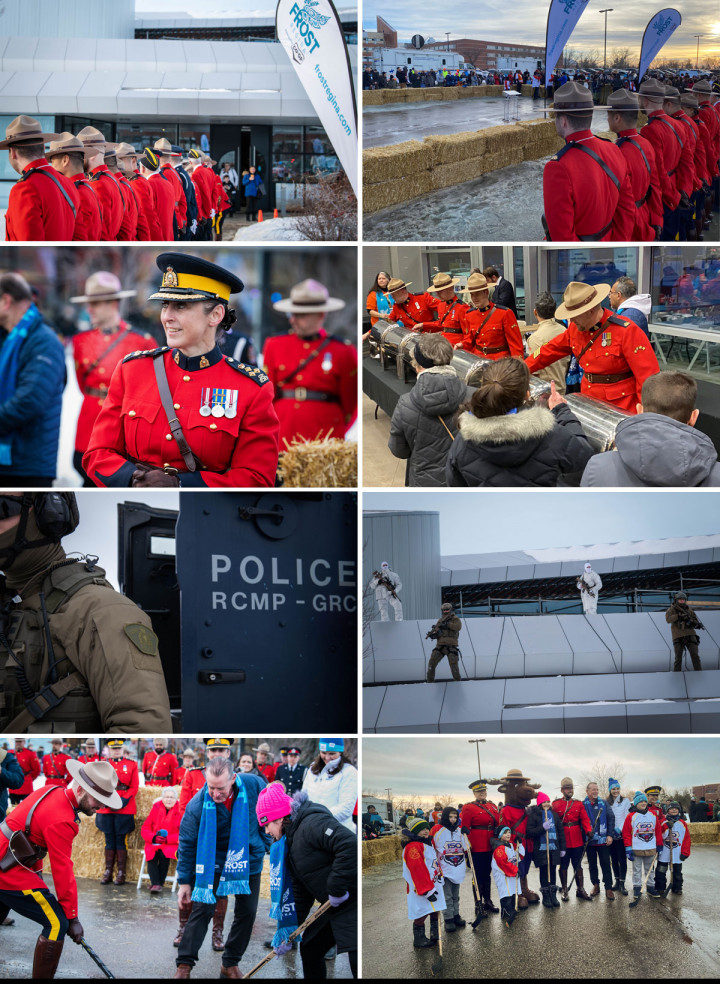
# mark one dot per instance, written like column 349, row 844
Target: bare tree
column 601, row 773
column 619, row 58
column 330, row 210
column 589, row 59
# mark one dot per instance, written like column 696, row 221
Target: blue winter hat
column 502, row 831
column 613, row 784
column 332, row 744
column 639, row 797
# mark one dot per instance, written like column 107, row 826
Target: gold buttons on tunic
column 168, row 437
column 131, row 413
column 186, row 379
column 299, row 376
column 176, row 406
column 213, row 427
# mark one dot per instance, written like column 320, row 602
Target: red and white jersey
column 422, row 872
column 504, row 868
column 450, row 851
column 679, row 833
column 641, row 831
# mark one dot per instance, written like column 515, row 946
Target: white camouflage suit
column 383, row 596
column 594, row 585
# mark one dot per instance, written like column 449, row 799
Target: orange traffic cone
column 259, row 215
column 275, row 213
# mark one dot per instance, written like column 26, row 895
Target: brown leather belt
column 617, row 377
column 96, row 392
column 492, row 351
column 452, row 331
column 301, row 394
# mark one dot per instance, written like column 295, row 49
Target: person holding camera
column 445, row 632
column 684, row 624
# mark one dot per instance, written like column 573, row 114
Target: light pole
column 447, row 35
column 607, row 11
column 476, row 742
column 697, row 56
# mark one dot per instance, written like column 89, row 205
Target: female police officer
column 185, row 414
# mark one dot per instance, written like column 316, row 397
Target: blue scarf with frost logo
column 235, row 877
column 282, row 900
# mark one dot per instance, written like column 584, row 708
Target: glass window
column 493, row 256
column 453, row 260
column 74, row 124
column 287, row 153
column 145, row 135
column 597, row 265
column 519, row 282
column 194, row 137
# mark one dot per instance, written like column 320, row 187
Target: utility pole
column 447, row 35
column 697, row 55
column 476, row 742
column 607, row 11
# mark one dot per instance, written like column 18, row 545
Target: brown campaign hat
column 66, row 143
column 93, row 141
column 703, row 86
column 515, row 775
column 621, row 101
column 566, row 781
column 396, row 284
column 477, row 282
column 99, row 779
column 689, row 99
column 441, row 281
column 102, row 286
column 652, row 88
column 24, row 129
column 164, row 148
column 123, row 150
column 573, row 98
column 309, row 297
column 579, row 298
column 672, row 93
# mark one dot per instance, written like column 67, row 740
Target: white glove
column 193, row 226
column 213, row 213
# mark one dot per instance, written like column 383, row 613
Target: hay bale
column 456, row 147
column 508, row 137
column 373, row 97
column 526, row 90
column 704, row 833
column 432, row 95
column 381, row 851
column 446, row 175
column 377, row 196
column 324, row 463
column 381, row 164
column 414, row 95
column 541, row 139
column 493, row 90
column 450, row 93
column 468, row 91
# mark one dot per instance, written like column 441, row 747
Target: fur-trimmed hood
column 532, row 424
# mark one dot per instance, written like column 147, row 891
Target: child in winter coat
column 504, row 869
column 621, row 807
column 545, row 828
column 673, row 830
column 448, row 842
column 421, row 870
column 642, row 839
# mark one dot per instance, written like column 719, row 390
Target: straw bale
column 414, row 95
column 503, row 138
column 456, row 147
column 432, row 95
column 324, row 463
column 449, row 93
column 704, row 833
column 493, row 90
column 446, row 175
column 381, row 164
column 381, row 851
column 373, row 97
column 468, row 91
column 377, row 196
column 526, row 90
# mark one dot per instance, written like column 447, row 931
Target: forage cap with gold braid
column 219, row 742
column 188, row 278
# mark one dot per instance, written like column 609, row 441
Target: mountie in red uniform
column 509, row 817
column 159, row 770
column 42, row 206
column 111, row 201
column 88, row 223
column 615, row 365
column 236, row 448
column 587, row 192
column 481, row 819
column 662, row 134
column 127, row 786
column 89, row 758
column 492, row 333
column 645, row 180
column 30, row 764
column 574, row 820
column 413, row 312
column 96, row 355
column 449, row 315
column 55, row 769
column 193, row 782
column 315, row 381
column 54, row 826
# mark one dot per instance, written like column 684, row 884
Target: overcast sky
column 440, row 766
column 479, row 521
column 525, row 22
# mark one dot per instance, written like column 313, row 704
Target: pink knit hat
column 542, row 798
column 273, row 803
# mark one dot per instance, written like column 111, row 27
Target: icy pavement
column 275, row 230
column 679, row 934
column 132, row 933
column 394, row 123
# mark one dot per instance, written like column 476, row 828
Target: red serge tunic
column 94, row 370
column 37, row 209
column 619, row 348
column 163, row 192
column 491, row 333
column 332, row 373
column 193, row 782
column 55, row 770
column 509, row 816
column 236, row 451
column 159, row 770
column 54, row 825
column 127, row 787
column 158, row 819
column 88, row 224
column 450, row 315
column 412, row 312
column 574, row 820
column 111, row 201
column 30, row 764
column 482, row 819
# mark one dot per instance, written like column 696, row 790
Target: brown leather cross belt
column 617, row 377
column 491, row 351
column 452, row 331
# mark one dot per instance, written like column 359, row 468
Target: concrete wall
column 414, row 168
column 68, row 18
column 410, row 543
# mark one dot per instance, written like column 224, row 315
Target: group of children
column 436, row 856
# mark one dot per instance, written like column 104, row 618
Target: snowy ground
column 679, row 934
column 270, row 230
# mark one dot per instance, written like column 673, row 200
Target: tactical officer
column 589, row 584
column 74, row 653
column 445, row 632
column 684, row 625
column 386, row 584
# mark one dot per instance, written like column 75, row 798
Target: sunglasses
column 10, row 505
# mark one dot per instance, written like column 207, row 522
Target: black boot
column 553, row 896
column 459, row 921
column 449, row 926
column 546, row 900
column 434, row 929
column 420, row 940
column 564, row 884
column 488, row 903
column 508, row 911
column 46, row 958
column 621, row 887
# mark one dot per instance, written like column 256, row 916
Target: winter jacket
column 543, row 332
column 11, row 777
column 605, row 825
column 322, row 858
column 637, row 308
column 655, row 450
column 536, row 831
column 620, row 807
column 530, row 447
column 337, row 792
column 251, row 184
column 190, row 829
column 682, row 620
column 420, row 424
column 32, row 414
column 159, row 818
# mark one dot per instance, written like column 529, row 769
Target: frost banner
column 310, row 33
column 659, row 29
column 562, row 18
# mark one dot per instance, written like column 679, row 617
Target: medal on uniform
column 205, row 409
column 231, row 403
column 606, row 339
column 327, row 362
